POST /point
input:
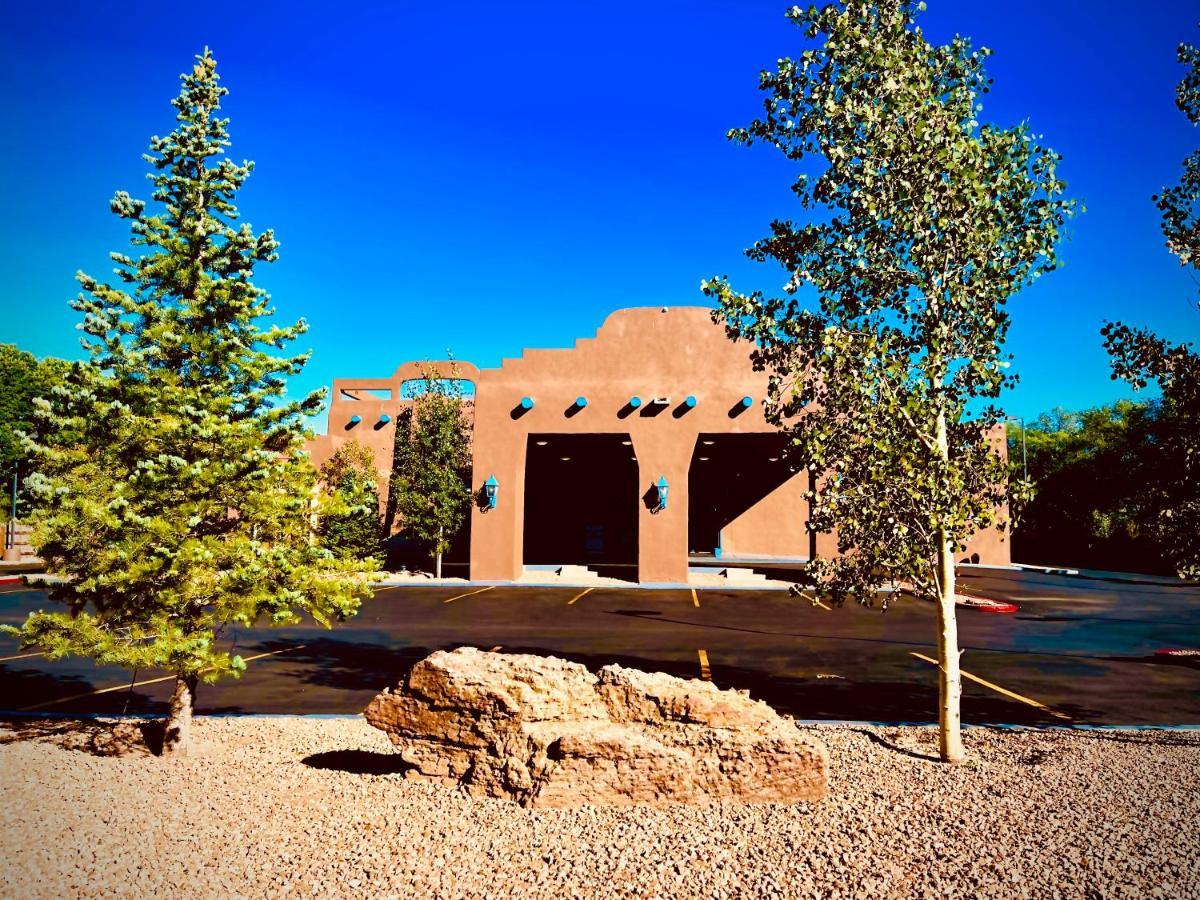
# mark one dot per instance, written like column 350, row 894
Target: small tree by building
column 175, row 494
column 22, row 378
column 926, row 223
column 431, row 471
column 350, row 525
column 1140, row 357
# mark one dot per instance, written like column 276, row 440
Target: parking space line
column 469, row 593
column 125, row 687
column 19, row 656
column 582, row 593
column 695, row 599
column 1000, row 690
column 815, row 601
column 705, row 670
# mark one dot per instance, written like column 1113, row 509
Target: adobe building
column 638, row 453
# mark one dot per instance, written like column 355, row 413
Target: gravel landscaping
column 316, row 807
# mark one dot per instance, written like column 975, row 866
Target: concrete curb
column 663, row 586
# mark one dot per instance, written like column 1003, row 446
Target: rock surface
column 549, row 733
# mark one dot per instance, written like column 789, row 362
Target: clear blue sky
column 486, row 177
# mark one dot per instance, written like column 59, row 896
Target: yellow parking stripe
column 1000, row 690
column 125, row 687
column 705, row 670
column 695, row 599
column 19, row 656
column 571, row 602
column 469, row 593
column 816, row 601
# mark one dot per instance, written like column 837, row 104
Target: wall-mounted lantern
column 663, row 489
column 689, row 401
column 384, row 419
column 580, row 402
column 635, row 402
column 354, row 420
column 491, row 488
column 526, row 403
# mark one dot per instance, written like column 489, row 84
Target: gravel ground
column 314, row 807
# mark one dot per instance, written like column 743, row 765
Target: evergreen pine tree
column 175, row 495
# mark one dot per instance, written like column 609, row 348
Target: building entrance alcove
column 746, row 500
column 581, row 503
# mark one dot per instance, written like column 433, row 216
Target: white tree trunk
column 177, row 736
column 949, row 676
column 439, row 554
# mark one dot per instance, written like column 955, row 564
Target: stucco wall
column 775, row 526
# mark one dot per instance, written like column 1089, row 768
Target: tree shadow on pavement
column 24, row 687
column 890, row 702
column 349, row 665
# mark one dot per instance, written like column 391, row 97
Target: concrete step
column 743, row 576
column 574, row 572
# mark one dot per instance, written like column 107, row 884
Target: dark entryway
column 581, row 496
column 729, row 474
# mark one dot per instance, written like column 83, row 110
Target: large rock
column 547, row 732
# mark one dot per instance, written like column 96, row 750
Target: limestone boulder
column 547, row 732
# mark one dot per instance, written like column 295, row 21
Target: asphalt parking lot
column 1077, row 651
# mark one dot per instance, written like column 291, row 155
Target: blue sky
column 486, row 177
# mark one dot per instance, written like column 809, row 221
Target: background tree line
column 1099, row 490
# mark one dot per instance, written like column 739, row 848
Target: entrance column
column 663, row 533
column 497, row 552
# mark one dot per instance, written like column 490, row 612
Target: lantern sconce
column 690, row 402
column 663, row 489
column 354, row 420
column 526, row 403
column 384, row 419
column 491, row 487
column 635, row 402
column 747, row 402
column 580, row 402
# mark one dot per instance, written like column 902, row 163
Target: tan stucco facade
column 666, row 399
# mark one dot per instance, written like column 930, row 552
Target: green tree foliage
column 22, row 378
column 1096, row 479
column 350, row 525
column 431, row 469
column 1140, row 357
column 922, row 224
column 176, row 497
